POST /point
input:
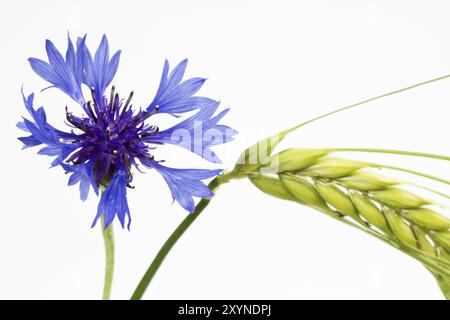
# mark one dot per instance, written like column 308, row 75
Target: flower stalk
column 108, row 238
column 172, row 240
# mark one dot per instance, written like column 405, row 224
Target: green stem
column 367, row 101
column 108, row 238
column 444, row 284
column 388, row 151
column 170, row 242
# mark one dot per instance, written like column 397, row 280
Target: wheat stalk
column 349, row 192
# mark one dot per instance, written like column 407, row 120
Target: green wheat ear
column 350, row 192
column 379, row 205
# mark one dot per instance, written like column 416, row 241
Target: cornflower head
column 107, row 138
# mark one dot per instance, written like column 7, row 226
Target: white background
column 276, row 63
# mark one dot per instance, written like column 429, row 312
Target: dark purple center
column 112, row 135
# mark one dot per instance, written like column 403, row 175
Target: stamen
column 76, row 161
column 127, row 104
column 69, row 119
column 115, row 103
column 97, row 107
column 93, row 96
column 155, row 110
column 142, row 116
column 128, row 100
column 92, row 112
column 68, row 116
column 112, row 127
column 150, row 133
column 111, row 97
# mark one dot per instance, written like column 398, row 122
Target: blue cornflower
column 108, row 137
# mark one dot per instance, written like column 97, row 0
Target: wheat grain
column 345, row 190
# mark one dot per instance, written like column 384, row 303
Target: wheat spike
column 346, row 190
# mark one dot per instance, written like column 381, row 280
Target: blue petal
column 30, row 141
column 173, row 96
column 114, row 201
column 84, row 175
column 184, row 184
column 100, row 61
column 178, row 72
column 100, row 71
column 44, row 70
column 79, row 62
column 56, row 60
column 70, row 55
column 74, row 179
column 184, row 90
column 198, row 133
column 84, row 189
column 64, row 74
column 51, row 151
column 88, row 65
column 43, row 133
column 162, row 86
column 21, row 125
column 189, row 104
column 102, row 53
column 112, row 68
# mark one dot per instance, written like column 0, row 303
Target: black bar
column 211, row 309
